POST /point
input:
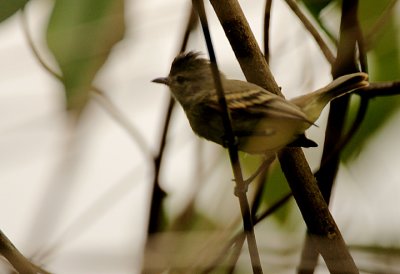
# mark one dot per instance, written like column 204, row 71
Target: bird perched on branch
column 261, row 121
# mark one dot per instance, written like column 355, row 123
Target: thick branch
column 315, row 211
column 345, row 63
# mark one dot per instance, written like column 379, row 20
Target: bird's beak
column 161, row 80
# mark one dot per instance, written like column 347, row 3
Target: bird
column 261, row 121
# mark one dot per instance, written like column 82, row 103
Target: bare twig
column 312, row 30
column 16, row 259
column 237, row 240
column 241, row 186
column 156, row 216
column 381, row 89
column 267, row 21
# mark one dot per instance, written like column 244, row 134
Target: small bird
column 262, row 122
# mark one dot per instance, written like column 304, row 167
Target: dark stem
column 241, row 187
column 327, row 237
column 156, row 219
column 312, row 30
column 237, row 240
column 267, row 22
column 381, row 89
column 345, row 63
column 16, row 259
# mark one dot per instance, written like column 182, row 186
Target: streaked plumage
column 262, row 121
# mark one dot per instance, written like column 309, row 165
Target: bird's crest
column 190, row 61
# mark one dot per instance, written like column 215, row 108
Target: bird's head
column 190, row 75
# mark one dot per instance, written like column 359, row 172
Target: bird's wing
column 243, row 97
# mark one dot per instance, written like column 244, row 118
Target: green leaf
column 316, row 6
column 81, row 34
column 384, row 66
column 9, row 7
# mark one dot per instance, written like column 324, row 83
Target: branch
column 156, row 217
column 312, row 30
column 241, row 186
column 267, row 21
column 16, row 259
column 345, row 63
column 328, row 239
column 381, row 89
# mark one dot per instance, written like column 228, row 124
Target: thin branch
column 328, row 239
column 381, row 89
column 237, row 240
column 104, row 101
column 312, row 30
column 156, row 218
column 16, row 259
column 267, row 22
column 85, row 219
column 261, row 184
column 273, row 208
column 33, row 48
column 241, row 186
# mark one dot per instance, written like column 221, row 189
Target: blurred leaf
column 384, row 65
column 81, row 34
column 316, row 6
column 9, row 7
column 276, row 188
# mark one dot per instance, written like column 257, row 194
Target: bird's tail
column 313, row 103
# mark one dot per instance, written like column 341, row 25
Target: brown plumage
column 262, row 121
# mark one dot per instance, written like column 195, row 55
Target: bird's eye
column 180, row 79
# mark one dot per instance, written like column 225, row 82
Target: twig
column 260, row 186
column 158, row 195
column 16, row 259
column 156, row 213
column 273, row 208
column 312, row 30
column 241, row 186
column 267, row 22
column 328, row 239
column 104, row 101
column 237, row 240
column 381, row 89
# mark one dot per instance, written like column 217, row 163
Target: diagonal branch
column 312, row 30
column 327, row 237
column 16, row 259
